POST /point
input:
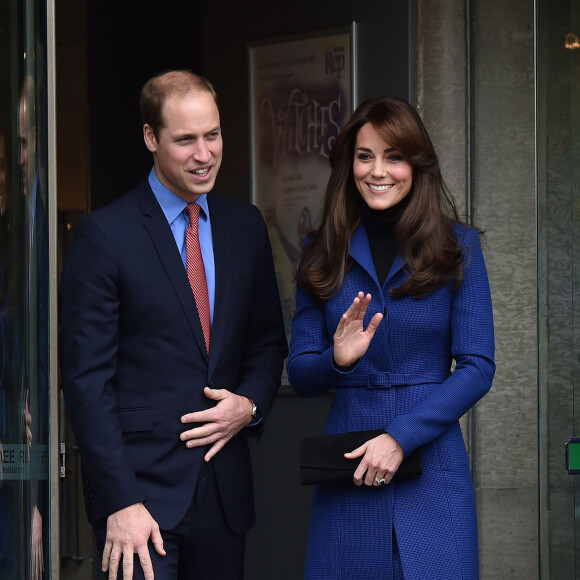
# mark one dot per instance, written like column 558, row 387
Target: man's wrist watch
column 256, row 416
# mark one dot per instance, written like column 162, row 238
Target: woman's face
column 381, row 174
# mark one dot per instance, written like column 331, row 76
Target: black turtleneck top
column 380, row 226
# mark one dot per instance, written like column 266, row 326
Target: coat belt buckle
column 380, row 381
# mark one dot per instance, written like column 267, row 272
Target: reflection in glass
column 24, row 408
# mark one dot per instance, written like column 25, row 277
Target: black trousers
column 200, row 547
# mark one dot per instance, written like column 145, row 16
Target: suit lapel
column 156, row 225
column 222, row 251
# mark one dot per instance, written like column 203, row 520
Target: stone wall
column 474, row 85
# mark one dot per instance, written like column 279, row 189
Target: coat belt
column 388, row 380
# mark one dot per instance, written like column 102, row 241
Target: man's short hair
column 168, row 84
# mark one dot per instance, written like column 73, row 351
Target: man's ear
column 149, row 138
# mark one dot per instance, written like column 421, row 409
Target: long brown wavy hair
column 425, row 231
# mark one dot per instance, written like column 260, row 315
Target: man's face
column 188, row 155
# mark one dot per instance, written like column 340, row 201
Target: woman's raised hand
column 351, row 340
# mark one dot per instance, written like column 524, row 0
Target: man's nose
column 201, row 151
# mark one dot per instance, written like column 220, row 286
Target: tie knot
column 193, row 210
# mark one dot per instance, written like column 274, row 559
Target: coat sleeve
column 265, row 345
column 311, row 368
column 89, row 328
column 472, row 348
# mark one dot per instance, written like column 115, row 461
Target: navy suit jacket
column 133, row 357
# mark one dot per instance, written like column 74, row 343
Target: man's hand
column 36, row 549
column 128, row 532
column 222, row 422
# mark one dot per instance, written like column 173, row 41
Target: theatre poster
column 302, row 92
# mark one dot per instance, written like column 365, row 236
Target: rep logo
column 334, row 62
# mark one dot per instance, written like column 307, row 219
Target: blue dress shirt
column 175, row 211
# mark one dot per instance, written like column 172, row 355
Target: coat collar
column 360, row 252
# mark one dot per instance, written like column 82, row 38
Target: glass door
column 573, row 47
column 27, row 537
column 558, row 189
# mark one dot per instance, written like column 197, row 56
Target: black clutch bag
column 322, row 458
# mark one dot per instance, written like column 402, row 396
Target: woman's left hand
column 351, row 340
column 381, row 458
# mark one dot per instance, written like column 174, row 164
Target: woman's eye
column 363, row 156
column 395, row 157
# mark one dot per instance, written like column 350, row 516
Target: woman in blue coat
column 393, row 312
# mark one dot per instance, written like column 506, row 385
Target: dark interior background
column 129, row 42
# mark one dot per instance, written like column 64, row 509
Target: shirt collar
column 171, row 204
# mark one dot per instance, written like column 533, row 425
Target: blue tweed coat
column 404, row 384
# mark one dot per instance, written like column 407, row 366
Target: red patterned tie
column 196, row 271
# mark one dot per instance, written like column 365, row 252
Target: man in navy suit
column 161, row 423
